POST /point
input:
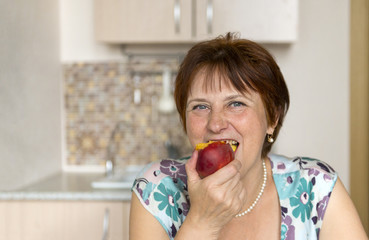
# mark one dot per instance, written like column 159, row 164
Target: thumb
column 192, row 174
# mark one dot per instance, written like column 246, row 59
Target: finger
column 192, row 174
column 226, row 173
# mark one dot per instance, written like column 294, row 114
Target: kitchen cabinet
column 261, row 20
column 140, row 21
column 188, row 21
column 63, row 220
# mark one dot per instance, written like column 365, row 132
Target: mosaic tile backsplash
column 112, row 111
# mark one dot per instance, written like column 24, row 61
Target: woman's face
column 226, row 114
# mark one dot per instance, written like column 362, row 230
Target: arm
column 341, row 220
column 214, row 201
column 143, row 225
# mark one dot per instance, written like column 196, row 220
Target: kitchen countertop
column 67, row 186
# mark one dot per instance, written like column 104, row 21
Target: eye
column 200, row 107
column 236, row 104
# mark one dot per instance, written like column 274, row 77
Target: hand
column 215, row 199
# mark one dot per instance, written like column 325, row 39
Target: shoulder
column 310, row 169
column 292, row 172
column 155, row 172
column 304, row 187
column 349, row 225
column 172, row 172
column 282, row 164
column 161, row 188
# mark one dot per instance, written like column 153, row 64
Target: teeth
column 232, row 142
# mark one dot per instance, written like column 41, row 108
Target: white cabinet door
column 261, row 20
column 63, row 220
column 143, row 21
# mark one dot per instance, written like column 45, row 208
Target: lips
column 234, row 144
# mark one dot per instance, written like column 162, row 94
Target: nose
column 217, row 122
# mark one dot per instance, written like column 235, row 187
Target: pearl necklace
column 259, row 195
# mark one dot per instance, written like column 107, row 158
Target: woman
column 232, row 89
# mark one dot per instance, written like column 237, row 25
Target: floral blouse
column 304, row 186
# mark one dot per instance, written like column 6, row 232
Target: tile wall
column 99, row 97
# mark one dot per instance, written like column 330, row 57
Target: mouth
column 233, row 143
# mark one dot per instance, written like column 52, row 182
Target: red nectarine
column 213, row 156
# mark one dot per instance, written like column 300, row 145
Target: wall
column 77, row 34
column 316, row 69
column 30, row 129
column 103, row 112
column 317, row 72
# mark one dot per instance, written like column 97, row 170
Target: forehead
column 213, row 81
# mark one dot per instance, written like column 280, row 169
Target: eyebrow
column 196, row 100
column 235, row 96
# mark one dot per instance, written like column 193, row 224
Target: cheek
column 253, row 128
column 195, row 127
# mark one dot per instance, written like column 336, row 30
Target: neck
column 253, row 181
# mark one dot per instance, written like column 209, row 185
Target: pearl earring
column 270, row 138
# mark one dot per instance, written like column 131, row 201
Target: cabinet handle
column 177, row 16
column 106, row 225
column 209, row 16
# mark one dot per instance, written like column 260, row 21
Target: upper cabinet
column 142, row 21
column 258, row 20
column 187, row 21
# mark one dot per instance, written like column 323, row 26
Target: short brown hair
column 247, row 65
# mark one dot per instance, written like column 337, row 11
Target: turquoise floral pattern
column 286, row 183
column 304, row 187
column 303, row 200
column 168, row 201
